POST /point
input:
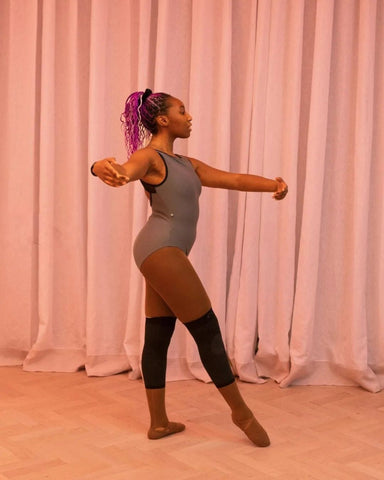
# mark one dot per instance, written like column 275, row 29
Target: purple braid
column 139, row 117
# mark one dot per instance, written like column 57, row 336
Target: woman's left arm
column 215, row 178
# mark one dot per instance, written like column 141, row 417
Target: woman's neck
column 163, row 144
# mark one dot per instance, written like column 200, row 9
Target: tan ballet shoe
column 254, row 431
column 155, row 433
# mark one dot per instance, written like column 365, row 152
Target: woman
column 173, row 289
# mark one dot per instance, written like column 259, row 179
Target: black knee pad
column 158, row 334
column 207, row 335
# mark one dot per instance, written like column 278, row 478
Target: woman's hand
column 110, row 172
column 282, row 189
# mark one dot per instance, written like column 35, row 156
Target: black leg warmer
column 158, row 334
column 207, row 335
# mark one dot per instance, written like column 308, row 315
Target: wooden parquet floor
column 71, row 427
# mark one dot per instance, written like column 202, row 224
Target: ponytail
column 139, row 117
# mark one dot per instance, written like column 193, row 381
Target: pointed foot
column 253, row 430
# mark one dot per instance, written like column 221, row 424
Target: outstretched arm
column 116, row 175
column 213, row 177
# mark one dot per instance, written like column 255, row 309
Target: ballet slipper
column 155, row 433
column 254, row 431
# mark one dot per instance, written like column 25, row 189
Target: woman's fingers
column 111, row 170
column 118, row 172
column 108, row 171
column 282, row 189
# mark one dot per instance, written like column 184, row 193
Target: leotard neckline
column 176, row 155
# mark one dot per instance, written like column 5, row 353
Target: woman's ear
column 162, row 120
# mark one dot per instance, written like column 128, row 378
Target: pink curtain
column 276, row 87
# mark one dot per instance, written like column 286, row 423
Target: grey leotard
column 175, row 210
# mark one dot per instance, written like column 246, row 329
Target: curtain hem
column 10, row 357
column 54, row 360
column 327, row 373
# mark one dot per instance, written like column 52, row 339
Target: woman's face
column 177, row 119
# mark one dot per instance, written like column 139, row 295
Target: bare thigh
column 154, row 304
column 170, row 274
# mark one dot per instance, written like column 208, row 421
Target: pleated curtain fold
column 289, row 88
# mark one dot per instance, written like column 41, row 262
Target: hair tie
column 142, row 99
column 146, row 94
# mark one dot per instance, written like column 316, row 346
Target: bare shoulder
column 199, row 166
column 143, row 155
column 148, row 157
column 211, row 176
column 195, row 163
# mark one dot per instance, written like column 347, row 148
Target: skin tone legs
column 174, row 288
column 171, row 275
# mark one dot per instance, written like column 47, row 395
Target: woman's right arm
column 116, row 175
